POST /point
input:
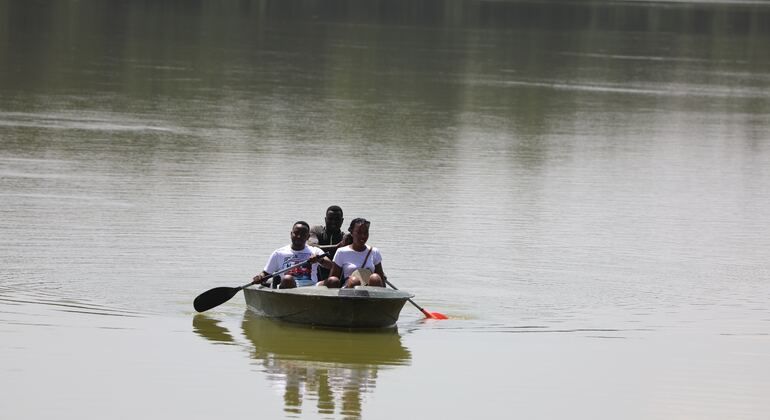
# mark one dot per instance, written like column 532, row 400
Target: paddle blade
column 434, row 315
column 214, row 297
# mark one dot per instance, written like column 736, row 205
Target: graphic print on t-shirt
column 302, row 274
column 285, row 257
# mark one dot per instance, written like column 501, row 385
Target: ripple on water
column 83, row 121
column 28, row 306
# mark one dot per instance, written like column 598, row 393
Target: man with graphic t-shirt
column 298, row 251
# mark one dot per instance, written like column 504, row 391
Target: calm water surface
column 583, row 188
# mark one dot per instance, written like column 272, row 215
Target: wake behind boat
column 360, row 307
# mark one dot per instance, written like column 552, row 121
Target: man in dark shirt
column 328, row 237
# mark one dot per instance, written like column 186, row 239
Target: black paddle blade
column 214, row 297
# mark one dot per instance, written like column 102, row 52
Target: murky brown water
column 582, row 188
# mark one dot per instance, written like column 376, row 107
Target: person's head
column 333, row 218
column 359, row 230
column 300, row 232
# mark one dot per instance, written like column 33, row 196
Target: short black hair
column 303, row 223
column 336, row 209
column 357, row 221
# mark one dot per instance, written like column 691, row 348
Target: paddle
column 219, row 295
column 429, row 315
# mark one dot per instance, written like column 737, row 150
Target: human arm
column 261, row 277
column 316, row 233
column 312, row 240
column 336, row 271
column 321, row 258
column 378, row 270
column 377, row 261
column 271, row 267
column 347, row 239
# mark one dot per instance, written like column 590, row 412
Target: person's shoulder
column 316, row 233
column 344, row 250
column 376, row 254
column 283, row 250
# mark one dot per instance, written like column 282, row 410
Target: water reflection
column 334, row 369
column 210, row 329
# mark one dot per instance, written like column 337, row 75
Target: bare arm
column 347, row 239
column 336, row 271
column 378, row 270
column 261, row 277
column 322, row 260
column 312, row 240
column 326, row 263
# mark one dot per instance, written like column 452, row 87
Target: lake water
column 582, row 187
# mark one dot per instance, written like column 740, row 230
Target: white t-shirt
column 350, row 260
column 286, row 257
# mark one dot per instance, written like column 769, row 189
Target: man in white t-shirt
column 298, row 251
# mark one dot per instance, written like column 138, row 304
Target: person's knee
column 333, row 283
column 353, row 281
column 288, row 282
column 376, row 280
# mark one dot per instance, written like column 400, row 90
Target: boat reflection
column 331, row 369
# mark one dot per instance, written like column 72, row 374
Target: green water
column 582, row 187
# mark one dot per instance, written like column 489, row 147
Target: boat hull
column 361, row 307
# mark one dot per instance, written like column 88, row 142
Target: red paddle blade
column 434, row 315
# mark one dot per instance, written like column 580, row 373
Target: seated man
column 329, row 236
column 298, row 251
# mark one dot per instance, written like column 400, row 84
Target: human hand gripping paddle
column 428, row 315
column 219, row 295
